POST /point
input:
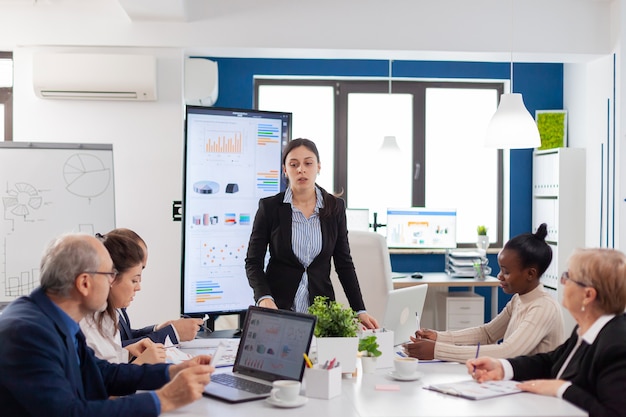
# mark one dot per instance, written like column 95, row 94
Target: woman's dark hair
column 125, row 253
column 532, row 249
column 330, row 203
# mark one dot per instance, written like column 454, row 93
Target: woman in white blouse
column 101, row 330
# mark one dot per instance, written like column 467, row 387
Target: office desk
column 359, row 398
column 441, row 280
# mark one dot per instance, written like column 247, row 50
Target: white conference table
column 445, row 281
column 360, row 398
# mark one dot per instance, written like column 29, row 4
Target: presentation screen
column 232, row 159
column 419, row 227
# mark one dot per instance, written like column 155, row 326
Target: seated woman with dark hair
column 531, row 322
column 589, row 369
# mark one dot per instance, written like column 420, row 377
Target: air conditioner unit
column 95, row 76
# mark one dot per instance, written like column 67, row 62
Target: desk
column 441, row 280
column 359, row 398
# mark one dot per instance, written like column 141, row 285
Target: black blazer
column 130, row 335
column 272, row 226
column 597, row 371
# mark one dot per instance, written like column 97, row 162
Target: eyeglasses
column 565, row 277
column 111, row 274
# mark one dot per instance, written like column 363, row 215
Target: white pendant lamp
column 390, row 144
column 512, row 126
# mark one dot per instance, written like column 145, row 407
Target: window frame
column 417, row 88
column 6, row 99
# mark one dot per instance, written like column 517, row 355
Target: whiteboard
column 49, row 189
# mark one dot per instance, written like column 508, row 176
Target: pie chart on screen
column 85, row 175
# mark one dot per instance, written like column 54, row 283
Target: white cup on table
column 286, row 391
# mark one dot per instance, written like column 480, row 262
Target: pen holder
column 322, row 383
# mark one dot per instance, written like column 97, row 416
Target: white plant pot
column 482, row 242
column 342, row 349
column 368, row 363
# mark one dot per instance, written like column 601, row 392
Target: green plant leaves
column 333, row 319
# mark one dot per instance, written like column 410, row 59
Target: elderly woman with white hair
column 589, row 369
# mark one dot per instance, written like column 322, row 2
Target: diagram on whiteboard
column 86, row 175
column 22, row 199
column 49, row 190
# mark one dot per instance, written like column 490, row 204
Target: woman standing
column 589, row 369
column 304, row 227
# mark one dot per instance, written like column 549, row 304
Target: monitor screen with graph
column 232, row 159
column 419, row 227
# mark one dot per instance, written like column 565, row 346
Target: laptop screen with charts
column 404, row 305
column 271, row 347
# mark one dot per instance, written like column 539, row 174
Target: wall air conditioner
column 95, row 76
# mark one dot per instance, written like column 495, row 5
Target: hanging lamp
column 512, row 126
column 390, row 144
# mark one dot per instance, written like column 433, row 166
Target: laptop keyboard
column 241, row 383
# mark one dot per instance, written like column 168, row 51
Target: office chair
column 373, row 268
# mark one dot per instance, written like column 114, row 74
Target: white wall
column 147, row 140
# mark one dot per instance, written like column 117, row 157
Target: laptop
column 404, row 305
column 271, row 347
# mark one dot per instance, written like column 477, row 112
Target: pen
column 477, row 352
column 307, row 360
column 332, row 363
column 417, row 320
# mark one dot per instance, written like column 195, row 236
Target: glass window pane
column 379, row 179
column 6, row 73
column 456, row 122
column 313, row 109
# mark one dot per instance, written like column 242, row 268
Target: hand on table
column 548, row 387
column 368, row 321
column 188, row 381
column 420, row 348
column 485, row 369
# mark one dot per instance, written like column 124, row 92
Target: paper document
column 474, row 390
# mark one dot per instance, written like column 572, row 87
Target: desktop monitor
column 419, row 227
column 358, row 219
column 232, row 158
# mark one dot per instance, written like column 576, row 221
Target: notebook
column 404, row 305
column 473, row 390
column 271, row 348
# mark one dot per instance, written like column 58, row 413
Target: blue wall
column 541, row 85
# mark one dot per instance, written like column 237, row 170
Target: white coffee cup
column 405, row 366
column 285, row 390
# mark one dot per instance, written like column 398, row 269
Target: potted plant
column 368, row 347
column 335, row 333
column 482, row 241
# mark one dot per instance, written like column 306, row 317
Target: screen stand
column 209, row 328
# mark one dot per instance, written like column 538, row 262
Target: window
column 6, row 96
column 439, row 128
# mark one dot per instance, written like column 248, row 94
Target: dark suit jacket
column 40, row 374
column 597, row 371
column 272, row 226
column 130, row 335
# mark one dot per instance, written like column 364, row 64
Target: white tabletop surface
column 361, row 398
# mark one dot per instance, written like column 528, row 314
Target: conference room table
column 379, row 395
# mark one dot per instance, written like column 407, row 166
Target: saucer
column 398, row 377
column 300, row 401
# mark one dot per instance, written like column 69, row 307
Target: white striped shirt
column 306, row 243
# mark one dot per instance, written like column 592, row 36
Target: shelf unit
column 559, row 201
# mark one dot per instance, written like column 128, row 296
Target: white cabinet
column 559, row 201
column 460, row 310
